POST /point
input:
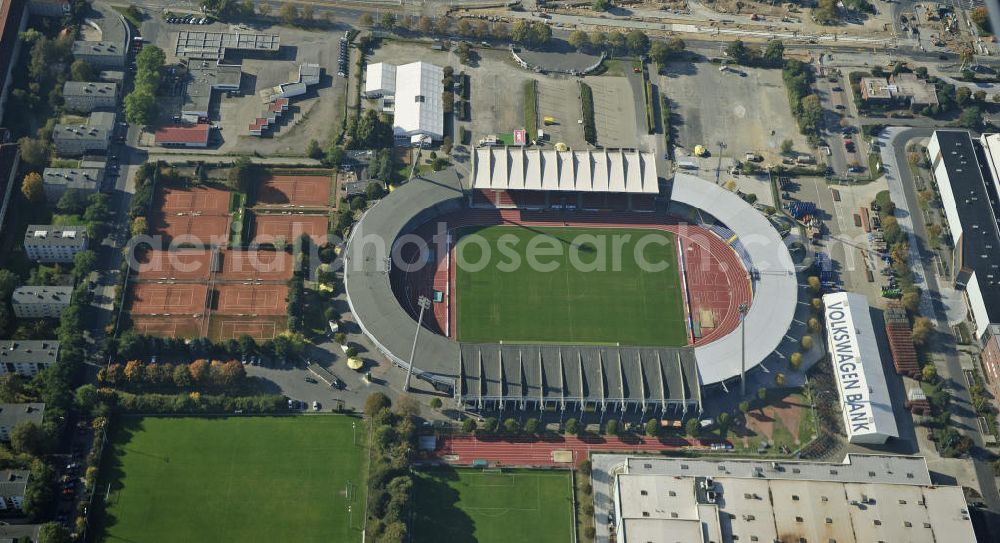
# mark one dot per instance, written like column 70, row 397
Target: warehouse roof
column 380, row 77
column 419, row 105
column 214, row 45
column 516, row 168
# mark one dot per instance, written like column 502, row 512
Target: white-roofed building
column 857, row 366
column 380, row 80
column 414, row 94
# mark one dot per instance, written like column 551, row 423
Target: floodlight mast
column 743, row 350
column 424, row 303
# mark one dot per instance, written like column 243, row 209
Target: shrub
column 589, row 128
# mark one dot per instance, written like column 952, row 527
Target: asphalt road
column 949, row 368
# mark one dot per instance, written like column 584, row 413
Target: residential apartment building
column 78, row 139
column 27, row 357
column 12, row 414
column 103, row 55
column 13, row 483
column 86, row 96
column 56, row 181
column 31, row 302
column 52, row 244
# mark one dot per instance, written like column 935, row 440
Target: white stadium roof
column 418, row 100
column 516, row 168
column 857, row 365
column 775, row 292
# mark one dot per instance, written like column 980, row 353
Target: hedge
column 589, row 129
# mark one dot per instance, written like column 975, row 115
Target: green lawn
column 621, row 303
column 466, row 506
column 234, row 479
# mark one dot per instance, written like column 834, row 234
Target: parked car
column 311, row 380
column 316, row 406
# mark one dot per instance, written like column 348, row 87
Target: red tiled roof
column 197, row 133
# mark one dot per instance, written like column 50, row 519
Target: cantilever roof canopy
column 515, row 168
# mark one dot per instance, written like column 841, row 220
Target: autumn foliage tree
column 201, row 373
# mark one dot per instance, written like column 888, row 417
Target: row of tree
column 390, row 483
column 202, row 373
column 141, row 104
column 132, row 346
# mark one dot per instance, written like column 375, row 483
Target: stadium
column 584, row 327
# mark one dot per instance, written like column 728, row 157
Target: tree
column 241, row 175
column 34, row 151
column 963, row 95
column 744, row 407
column 601, row 5
column 638, row 42
column 463, row 27
column 774, row 53
column 469, row 425
column 738, row 52
column 795, row 361
column 572, row 427
column 139, row 226
column 442, row 24
column 826, row 12
column 32, row 188
column 53, row 532
column 787, row 146
column 141, row 106
column 598, row 39
column 289, row 13
column 723, row 420
column 814, row 283
column 652, row 428
column 616, row 41
column 806, row 343
column 692, row 427
column 181, row 376
column 813, row 324
column 779, row 379
column 81, row 70
column 979, row 96
column 579, row 39
column 970, row 117
column 436, row 403
column 425, row 24
column 928, row 372
column 264, row 9
column 491, row 424
column 762, row 394
column 376, row 402
column 911, row 300
column 531, row 426
column 388, row 20
column 308, row 14
column 981, row 17
column 72, row 202
column 28, row 438
column 199, row 371
column 407, row 406
column 611, row 427
column 922, row 328
column 511, row 426
column 366, row 20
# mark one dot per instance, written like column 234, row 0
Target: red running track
column 462, row 450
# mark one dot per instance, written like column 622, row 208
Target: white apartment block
column 54, row 244
column 40, row 302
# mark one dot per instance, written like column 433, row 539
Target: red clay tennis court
column 184, row 327
column 207, row 201
column 161, row 299
column 256, row 265
column 270, row 227
column 201, row 229
column 185, row 264
column 252, row 299
column 296, row 190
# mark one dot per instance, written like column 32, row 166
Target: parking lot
column 746, row 109
column 559, row 97
column 615, row 115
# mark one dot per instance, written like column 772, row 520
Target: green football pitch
column 470, row 505
column 234, row 479
column 598, row 290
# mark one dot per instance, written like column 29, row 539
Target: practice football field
column 470, row 505
column 242, row 479
column 598, row 292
